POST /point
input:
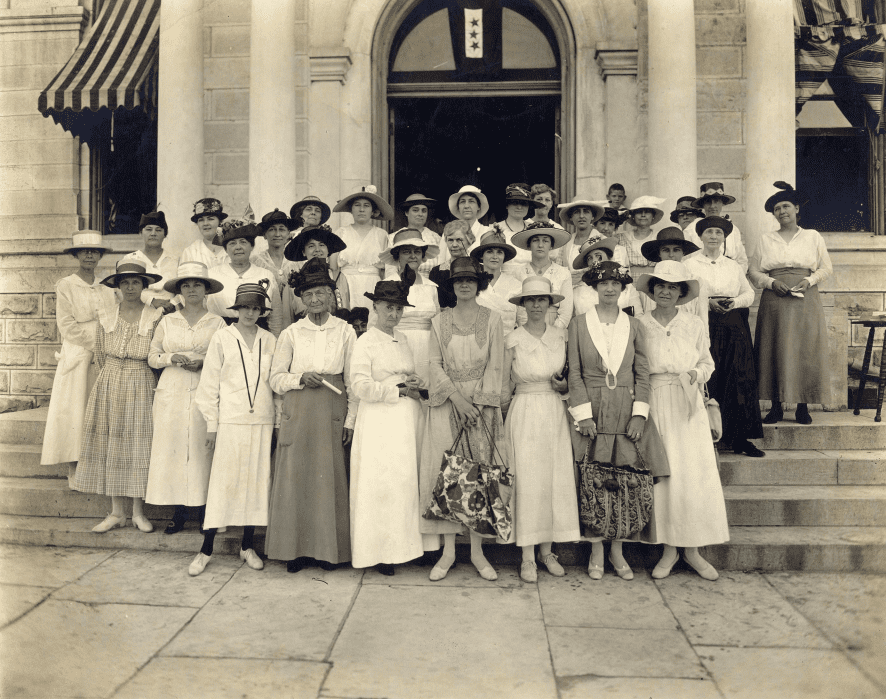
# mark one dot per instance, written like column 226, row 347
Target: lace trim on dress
column 472, row 374
column 480, row 328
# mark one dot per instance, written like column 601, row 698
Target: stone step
column 23, row 461
column 805, row 467
column 828, row 431
column 23, row 427
column 806, row 505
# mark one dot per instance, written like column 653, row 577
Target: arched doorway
column 472, row 92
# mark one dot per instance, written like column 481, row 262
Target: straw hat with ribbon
column 370, row 192
column 474, row 192
column 86, row 240
column 252, row 294
column 672, row 272
column 193, row 270
column 416, row 200
column 404, row 237
column 597, row 209
column 130, row 268
column 558, row 236
column 535, row 286
column 648, row 202
column 713, row 190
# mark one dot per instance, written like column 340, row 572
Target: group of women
column 522, row 345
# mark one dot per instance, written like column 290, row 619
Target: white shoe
column 198, row 565
column 110, row 522
column 552, row 564
column 528, row 572
column 252, row 559
column 142, row 523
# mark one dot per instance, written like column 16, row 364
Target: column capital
column 52, row 20
column 616, row 57
column 330, row 65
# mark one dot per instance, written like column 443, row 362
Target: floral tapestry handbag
column 472, row 492
column 615, row 502
column 712, row 407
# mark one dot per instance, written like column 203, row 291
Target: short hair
column 375, row 209
column 594, row 282
column 538, row 235
column 469, row 194
column 395, row 252
column 549, row 297
column 482, row 283
column 248, row 239
column 541, row 189
column 178, row 285
column 655, row 281
column 457, row 226
column 616, row 185
column 77, row 251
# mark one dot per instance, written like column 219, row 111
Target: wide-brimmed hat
column 193, row 270
column 648, row 202
column 474, row 192
column 87, row 240
column 724, row 224
column 252, row 294
column 493, row 238
column 396, row 292
column 591, row 244
column 370, row 192
column 520, row 193
column 416, row 200
column 673, row 272
column 130, row 268
column 611, row 214
column 596, row 207
column 295, row 248
column 711, row 190
column 686, row 205
column 787, row 193
column 408, row 236
column 315, row 272
column 296, row 209
column 536, row 286
column 208, row 207
column 465, row 268
column 607, row 270
column 558, row 236
column 274, row 217
column 667, row 236
column 153, row 218
column 248, row 231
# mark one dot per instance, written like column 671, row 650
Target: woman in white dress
column 384, row 456
column 364, row 242
column 689, row 507
column 153, row 230
column 208, row 215
column 418, row 209
column 240, row 409
column 594, row 251
column 540, row 239
column 80, row 299
column 493, row 252
column 545, row 507
column 180, row 461
column 518, row 204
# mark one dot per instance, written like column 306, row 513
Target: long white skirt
column 240, row 481
column 384, row 484
column 361, row 280
column 74, row 377
column 689, row 506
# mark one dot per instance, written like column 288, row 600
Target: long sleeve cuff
column 581, row 412
column 640, row 409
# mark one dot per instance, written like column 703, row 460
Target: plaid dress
column 116, row 446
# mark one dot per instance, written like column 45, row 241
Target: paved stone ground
column 132, row 624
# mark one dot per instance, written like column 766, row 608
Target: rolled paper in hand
column 330, row 386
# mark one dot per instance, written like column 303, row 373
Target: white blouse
column 166, row 267
column 221, row 302
column 679, row 347
column 173, row 335
column 806, row 250
column 362, row 250
column 324, row 349
column 722, row 277
column 78, row 307
column 378, row 364
column 733, row 247
column 535, row 359
column 567, row 254
column 561, row 283
column 198, row 252
column 496, row 296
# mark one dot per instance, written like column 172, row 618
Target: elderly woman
column 238, row 240
column 459, row 239
column 153, row 230
column 585, row 297
column 316, row 242
column 493, row 252
column 80, row 300
column 466, row 356
column 545, row 199
column 518, row 203
column 609, row 396
column 689, row 506
column 734, row 382
column 418, row 208
column 364, row 242
column 545, row 506
column 309, row 519
column 208, row 215
column 791, row 341
column 180, row 461
column 384, row 456
column 540, row 239
column 712, row 200
column 310, row 211
column 115, row 450
column 469, row 204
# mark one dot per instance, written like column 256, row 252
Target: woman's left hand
column 802, row 286
column 347, row 436
column 193, row 365
column 635, row 428
column 693, row 376
column 559, row 385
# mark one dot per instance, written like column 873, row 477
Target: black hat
column 295, row 248
column 724, row 224
column 667, row 236
column 247, row 231
column 711, row 190
column 394, row 292
column 154, row 218
column 686, row 205
column 603, row 271
column 465, row 268
column 274, row 217
column 787, row 193
column 208, row 207
column 613, row 215
column 314, row 273
column 130, row 268
column 310, row 200
column 359, row 314
column 519, row 193
column 252, row 294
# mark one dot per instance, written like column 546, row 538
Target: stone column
column 672, row 108
column 180, row 118
column 618, row 63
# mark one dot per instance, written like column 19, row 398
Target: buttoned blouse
column 379, row 363
column 77, row 309
column 678, row 347
column 561, row 283
column 806, row 250
column 221, row 302
column 362, row 250
column 174, row 335
column 496, row 298
column 166, row 267
column 198, row 252
column 722, row 277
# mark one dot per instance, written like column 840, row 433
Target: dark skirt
column 734, row 381
column 309, row 509
column 791, row 344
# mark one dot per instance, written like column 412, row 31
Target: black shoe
column 774, row 415
column 385, row 568
column 802, row 415
column 174, row 526
column 326, row 565
column 295, row 565
column 748, row 449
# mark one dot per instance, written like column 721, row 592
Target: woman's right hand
column 179, row 359
column 311, row 379
column 467, row 413
column 210, row 440
column 588, row 428
column 780, row 288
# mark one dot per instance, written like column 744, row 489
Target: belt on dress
column 690, row 391
column 359, row 269
column 778, row 271
column 535, row 387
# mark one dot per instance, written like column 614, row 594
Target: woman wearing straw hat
column 466, row 356
column 585, row 297
column 80, row 300
column 418, row 209
column 384, row 457
column 309, row 518
column 689, row 507
column 712, row 200
column 540, row 239
column 316, row 242
column 208, row 215
column 240, row 410
column 544, row 506
column 115, row 450
column 493, row 253
column 644, row 213
column 179, row 473
column 458, row 238
column 791, row 341
column 310, row 211
column 518, row 203
column 153, row 230
column 469, row 204
column 609, row 397
column 582, row 214
column 364, row 242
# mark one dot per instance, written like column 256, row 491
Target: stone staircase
column 816, row 502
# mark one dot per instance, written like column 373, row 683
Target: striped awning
column 110, row 68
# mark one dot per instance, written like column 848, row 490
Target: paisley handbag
column 615, row 502
column 472, row 492
column 712, row 408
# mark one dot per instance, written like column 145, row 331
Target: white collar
column 621, row 334
column 307, row 324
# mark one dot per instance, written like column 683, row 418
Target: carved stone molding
column 56, row 19
column 616, row 58
column 330, row 65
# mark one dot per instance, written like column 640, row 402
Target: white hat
column 369, row 192
column 475, row 191
column 648, row 202
column 87, row 240
column 408, row 236
column 673, row 272
column 193, row 270
column 558, row 236
column 596, row 207
column 536, row 286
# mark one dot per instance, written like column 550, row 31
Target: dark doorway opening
column 442, row 144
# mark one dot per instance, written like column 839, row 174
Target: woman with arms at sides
column 180, row 461
column 689, row 507
column 153, row 230
column 458, row 238
column 309, row 521
column 115, row 451
column 208, row 215
column 466, row 357
column 585, row 297
column 791, row 341
column 80, row 301
column 493, row 252
column 540, row 239
column 545, row 507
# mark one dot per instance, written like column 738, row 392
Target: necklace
column 246, row 376
column 511, row 229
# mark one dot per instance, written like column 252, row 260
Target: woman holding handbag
column 689, row 507
column 609, row 401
